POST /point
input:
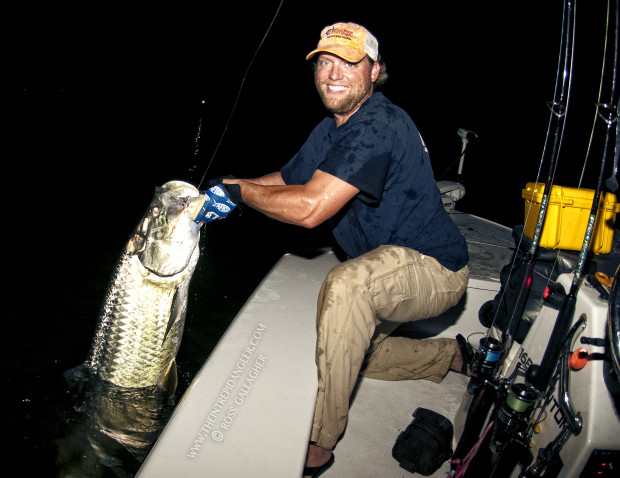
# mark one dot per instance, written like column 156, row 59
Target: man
column 365, row 169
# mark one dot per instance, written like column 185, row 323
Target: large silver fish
column 127, row 393
column 141, row 321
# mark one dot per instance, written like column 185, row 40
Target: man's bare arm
column 305, row 205
column 272, row 179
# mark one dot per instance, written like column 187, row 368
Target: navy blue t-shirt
column 380, row 151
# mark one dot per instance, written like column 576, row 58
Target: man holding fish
column 366, row 170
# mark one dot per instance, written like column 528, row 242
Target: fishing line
column 563, row 322
column 484, row 396
column 552, row 371
column 600, row 90
column 239, row 94
column 601, row 107
column 612, row 181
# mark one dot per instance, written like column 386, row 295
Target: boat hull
column 589, row 395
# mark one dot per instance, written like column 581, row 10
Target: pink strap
column 461, row 465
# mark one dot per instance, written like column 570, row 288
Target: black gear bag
column 425, row 444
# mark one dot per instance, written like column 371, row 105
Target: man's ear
column 374, row 72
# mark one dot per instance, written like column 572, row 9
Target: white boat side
column 249, row 409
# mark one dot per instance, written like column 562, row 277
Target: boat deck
column 490, row 245
column 381, row 410
column 227, row 425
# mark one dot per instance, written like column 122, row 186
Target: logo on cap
column 348, row 34
column 349, row 41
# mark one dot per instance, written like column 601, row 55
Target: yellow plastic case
column 567, row 217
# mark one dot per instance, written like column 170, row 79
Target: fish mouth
column 168, row 234
column 180, row 189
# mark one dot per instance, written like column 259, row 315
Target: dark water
column 96, row 125
column 68, row 224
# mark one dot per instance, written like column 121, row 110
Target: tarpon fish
column 127, row 393
column 142, row 317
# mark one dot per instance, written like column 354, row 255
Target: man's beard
column 346, row 104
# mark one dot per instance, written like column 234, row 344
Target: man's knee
column 344, row 277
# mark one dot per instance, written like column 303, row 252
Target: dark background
column 113, row 96
column 103, row 103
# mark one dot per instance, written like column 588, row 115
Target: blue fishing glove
column 233, row 191
column 217, row 202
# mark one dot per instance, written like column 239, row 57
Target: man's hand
column 215, row 204
column 232, row 190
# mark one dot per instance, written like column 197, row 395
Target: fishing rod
column 612, row 181
column 509, row 441
column 609, row 114
column 559, row 108
column 483, row 386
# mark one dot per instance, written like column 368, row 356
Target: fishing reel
column 484, row 362
column 513, row 416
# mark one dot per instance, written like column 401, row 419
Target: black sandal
column 467, row 353
column 315, row 471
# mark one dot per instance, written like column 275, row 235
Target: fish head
column 167, row 235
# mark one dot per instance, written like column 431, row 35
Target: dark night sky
column 103, row 102
column 114, row 93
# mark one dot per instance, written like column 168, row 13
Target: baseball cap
column 349, row 41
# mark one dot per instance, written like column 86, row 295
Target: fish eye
column 155, row 210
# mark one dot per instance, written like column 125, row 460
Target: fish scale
column 143, row 314
column 125, row 388
column 133, row 328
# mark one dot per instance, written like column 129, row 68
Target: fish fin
column 175, row 312
column 171, row 378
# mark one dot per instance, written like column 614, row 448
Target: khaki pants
column 361, row 302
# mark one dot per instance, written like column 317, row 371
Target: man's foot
column 318, row 460
column 458, row 364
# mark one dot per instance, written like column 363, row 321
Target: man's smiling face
column 344, row 86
